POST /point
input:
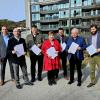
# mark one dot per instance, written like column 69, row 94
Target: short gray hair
column 75, row 30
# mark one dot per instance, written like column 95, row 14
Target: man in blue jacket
column 94, row 60
column 75, row 60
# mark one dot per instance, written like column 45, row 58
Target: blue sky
column 12, row 10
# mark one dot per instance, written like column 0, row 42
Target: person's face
column 4, row 30
column 16, row 32
column 61, row 32
column 34, row 31
column 74, row 34
column 93, row 30
column 51, row 37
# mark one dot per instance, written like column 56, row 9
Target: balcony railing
column 86, row 14
column 48, row 19
column 87, row 24
column 49, row 27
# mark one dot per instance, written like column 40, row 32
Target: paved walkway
column 41, row 90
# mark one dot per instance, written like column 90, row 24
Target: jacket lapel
column 4, row 44
column 98, row 40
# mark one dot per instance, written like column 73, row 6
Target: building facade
column 49, row 15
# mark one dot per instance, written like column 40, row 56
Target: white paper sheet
column 91, row 50
column 19, row 50
column 36, row 49
column 52, row 52
column 63, row 46
column 72, row 49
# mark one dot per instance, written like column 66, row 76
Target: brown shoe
column 1, row 83
column 14, row 81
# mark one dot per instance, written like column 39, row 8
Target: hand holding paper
column 36, row 49
column 63, row 45
column 91, row 50
column 72, row 49
column 19, row 49
column 52, row 52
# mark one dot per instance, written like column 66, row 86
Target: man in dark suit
column 18, row 61
column 94, row 60
column 63, row 55
column 4, row 37
column 35, row 39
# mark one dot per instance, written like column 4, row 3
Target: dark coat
column 11, row 44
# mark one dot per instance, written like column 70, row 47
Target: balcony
column 45, row 2
column 49, row 19
column 49, row 27
column 90, row 15
column 92, row 6
column 87, row 24
column 49, row 11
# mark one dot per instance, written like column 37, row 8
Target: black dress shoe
column 70, row 82
column 33, row 80
column 39, row 79
column 91, row 84
column 79, row 84
column 29, row 83
column 50, row 82
column 54, row 82
column 18, row 86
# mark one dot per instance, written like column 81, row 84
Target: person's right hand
column 1, row 60
column 98, row 50
column 13, row 52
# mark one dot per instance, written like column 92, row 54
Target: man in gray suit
column 4, row 37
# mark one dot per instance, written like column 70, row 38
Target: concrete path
column 42, row 91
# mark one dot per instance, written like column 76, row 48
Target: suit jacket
column 11, row 44
column 3, row 47
column 64, row 38
column 30, row 41
column 81, row 42
column 98, row 41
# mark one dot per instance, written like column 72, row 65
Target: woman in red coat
column 51, row 64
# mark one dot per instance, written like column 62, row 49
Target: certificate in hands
column 36, row 49
column 63, row 46
column 52, row 52
column 91, row 50
column 72, row 49
column 19, row 50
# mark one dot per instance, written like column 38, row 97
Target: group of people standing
column 45, row 61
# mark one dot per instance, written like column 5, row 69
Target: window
column 87, row 2
column 76, row 12
column 64, row 14
column 98, row 1
column 35, row 8
column 35, row 17
column 75, row 22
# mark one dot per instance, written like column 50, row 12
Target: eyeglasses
column 15, row 31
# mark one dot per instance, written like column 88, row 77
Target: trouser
column 93, row 61
column 34, row 59
column 75, row 62
column 24, row 71
column 51, row 74
column 64, row 61
column 3, row 67
column 63, row 57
